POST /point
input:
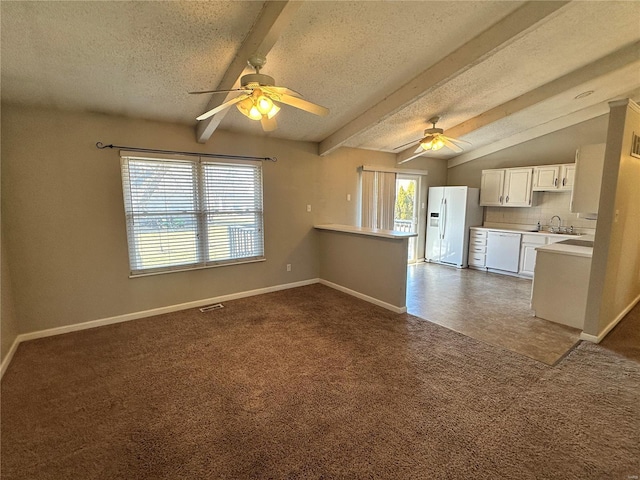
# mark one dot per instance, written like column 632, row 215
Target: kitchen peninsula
column 368, row 263
column 561, row 281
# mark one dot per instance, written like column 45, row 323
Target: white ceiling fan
column 259, row 96
column 434, row 139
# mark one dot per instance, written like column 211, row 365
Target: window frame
column 200, row 190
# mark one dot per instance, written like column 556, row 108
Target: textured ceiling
column 140, row 59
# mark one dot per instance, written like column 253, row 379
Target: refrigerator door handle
column 440, row 219
column 444, row 217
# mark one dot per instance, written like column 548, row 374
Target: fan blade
column 280, row 90
column 419, row 149
column 406, row 144
column 219, row 108
column 456, row 140
column 301, row 104
column 222, row 91
column 268, row 124
column 450, row 144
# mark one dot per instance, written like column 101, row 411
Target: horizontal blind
column 184, row 214
column 233, row 205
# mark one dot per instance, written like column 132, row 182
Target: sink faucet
column 559, row 222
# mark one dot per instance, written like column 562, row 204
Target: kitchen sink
column 546, row 232
column 577, row 242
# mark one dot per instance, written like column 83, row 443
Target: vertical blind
column 378, row 199
column 185, row 214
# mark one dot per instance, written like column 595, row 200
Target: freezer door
column 453, row 233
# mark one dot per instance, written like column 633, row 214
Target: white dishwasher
column 503, row 251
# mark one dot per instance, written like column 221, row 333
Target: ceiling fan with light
column 434, row 139
column 259, row 96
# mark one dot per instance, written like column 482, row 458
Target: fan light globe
column 274, row 110
column 254, row 113
column 264, row 104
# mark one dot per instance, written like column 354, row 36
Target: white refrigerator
column 451, row 211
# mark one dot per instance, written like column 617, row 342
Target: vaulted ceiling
column 497, row 73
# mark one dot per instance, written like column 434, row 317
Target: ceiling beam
column 615, row 61
column 495, row 38
column 274, row 17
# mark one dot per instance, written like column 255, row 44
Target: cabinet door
column 567, row 176
column 491, row 188
column 528, row 259
column 517, row 187
column 546, row 177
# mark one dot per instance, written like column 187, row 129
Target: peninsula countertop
column 371, row 232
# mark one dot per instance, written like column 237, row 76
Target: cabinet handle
column 507, row 199
column 555, row 182
column 500, row 198
column 564, row 180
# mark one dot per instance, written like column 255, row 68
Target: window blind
column 185, row 214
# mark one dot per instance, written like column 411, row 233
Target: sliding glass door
column 406, row 210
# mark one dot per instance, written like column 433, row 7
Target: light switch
column 308, row 208
column 348, row 197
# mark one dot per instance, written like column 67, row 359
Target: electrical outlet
column 288, row 267
column 308, row 208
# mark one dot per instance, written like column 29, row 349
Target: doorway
column 406, row 210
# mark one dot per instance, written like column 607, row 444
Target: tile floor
column 486, row 306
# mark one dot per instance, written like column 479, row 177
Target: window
column 187, row 214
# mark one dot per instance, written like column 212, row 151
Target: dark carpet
column 311, row 383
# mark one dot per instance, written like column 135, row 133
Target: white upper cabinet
column 567, row 176
column 545, row 177
column 507, row 187
column 517, row 187
column 492, row 188
column 585, row 195
column 550, row 178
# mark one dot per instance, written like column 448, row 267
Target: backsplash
column 546, row 205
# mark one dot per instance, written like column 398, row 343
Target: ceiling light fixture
column 432, row 142
column 583, row 94
column 258, row 105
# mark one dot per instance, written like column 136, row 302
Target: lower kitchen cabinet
column 528, row 253
column 517, row 259
column 477, row 248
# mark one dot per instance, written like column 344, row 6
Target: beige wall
column 339, row 176
column 64, row 217
column 9, row 326
column 556, row 147
column 615, row 273
column 373, row 266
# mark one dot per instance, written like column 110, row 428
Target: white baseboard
column 597, row 339
column 7, row 359
column 143, row 314
column 364, row 297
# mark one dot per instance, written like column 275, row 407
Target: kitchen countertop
column 528, row 232
column 371, row 232
column 564, row 249
column 556, row 248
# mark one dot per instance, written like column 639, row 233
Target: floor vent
column 208, row 308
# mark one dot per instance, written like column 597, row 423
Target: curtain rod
column 102, row 146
